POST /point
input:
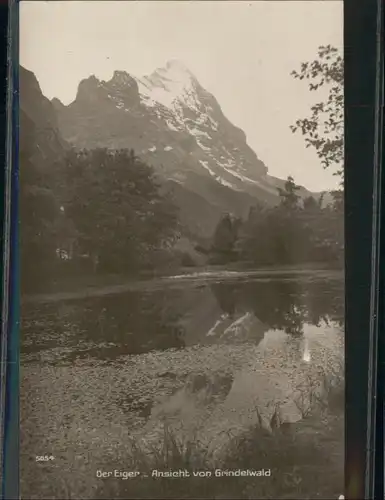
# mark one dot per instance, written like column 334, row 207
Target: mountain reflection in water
column 180, row 315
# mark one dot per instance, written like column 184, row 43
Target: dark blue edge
column 378, row 417
column 375, row 432
column 10, row 464
column 3, row 126
column 360, row 42
column 362, row 297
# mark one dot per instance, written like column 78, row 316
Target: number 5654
column 44, row 458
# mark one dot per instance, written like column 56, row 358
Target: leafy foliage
column 323, row 129
column 97, row 210
column 39, row 210
column 294, row 232
column 224, row 240
column 121, row 217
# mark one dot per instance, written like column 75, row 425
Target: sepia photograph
column 181, row 203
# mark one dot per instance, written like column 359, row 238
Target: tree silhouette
column 116, row 206
column 224, row 239
column 323, row 129
column 288, row 195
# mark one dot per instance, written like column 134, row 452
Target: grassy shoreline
column 299, row 458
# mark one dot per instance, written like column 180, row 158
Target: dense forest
column 295, row 231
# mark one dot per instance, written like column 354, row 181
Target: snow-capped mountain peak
column 168, row 85
column 176, row 70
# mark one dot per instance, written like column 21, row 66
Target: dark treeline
column 103, row 212
column 295, row 231
column 97, row 211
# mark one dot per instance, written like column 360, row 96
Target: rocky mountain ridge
column 173, row 124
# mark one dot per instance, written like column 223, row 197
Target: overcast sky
column 242, row 52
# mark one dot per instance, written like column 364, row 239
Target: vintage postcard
column 182, row 250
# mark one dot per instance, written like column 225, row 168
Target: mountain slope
column 39, row 137
column 178, row 127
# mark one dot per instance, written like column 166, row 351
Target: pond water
column 177, row 315
column 207, row 356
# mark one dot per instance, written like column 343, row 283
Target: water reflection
column 287, row 305
column 227, row 297
column 306, row 351
column 181, row 315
